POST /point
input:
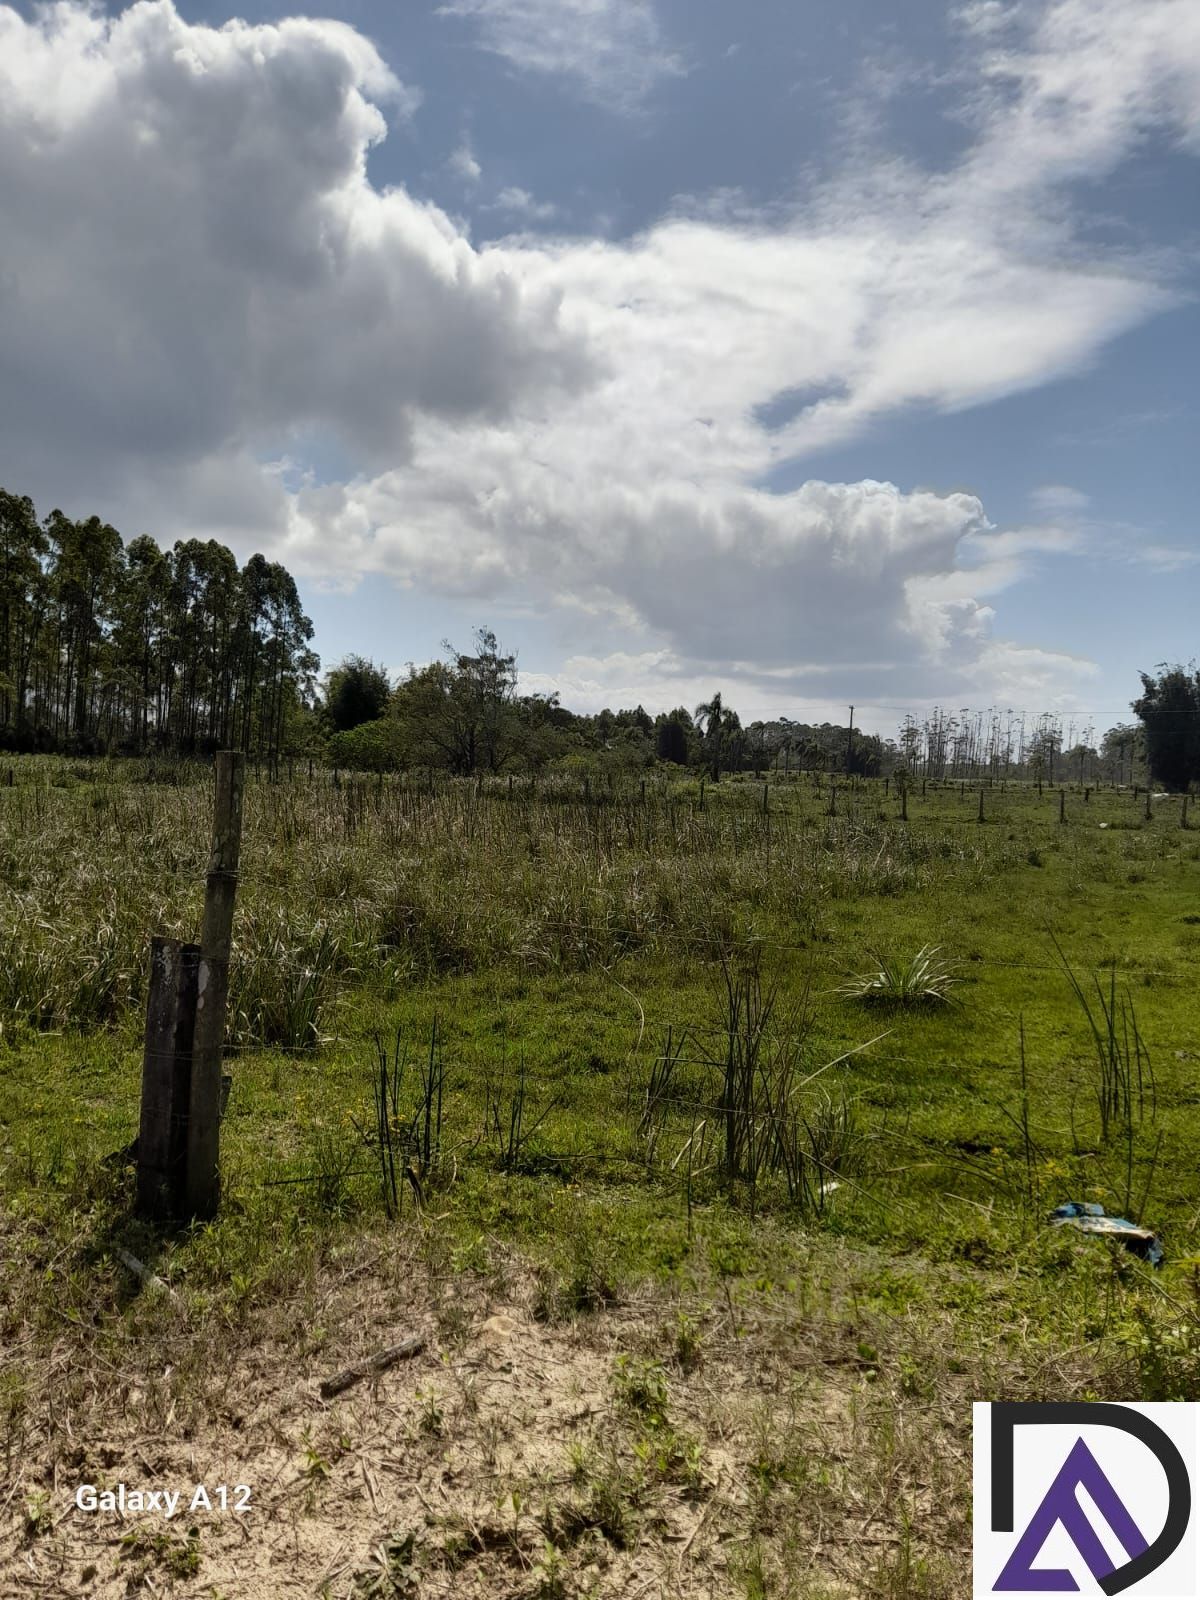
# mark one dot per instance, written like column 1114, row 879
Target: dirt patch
column 675, row 1443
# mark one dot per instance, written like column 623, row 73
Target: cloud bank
column 199, row 280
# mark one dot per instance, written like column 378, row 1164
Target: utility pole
column 850, row 740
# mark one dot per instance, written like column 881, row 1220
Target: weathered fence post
column 166, row 1077
column 981, row 818
column 1062, row 805
column 212, row 988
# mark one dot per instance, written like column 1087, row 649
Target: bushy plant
column 924, row 979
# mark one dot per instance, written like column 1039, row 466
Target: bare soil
column 681, row 1442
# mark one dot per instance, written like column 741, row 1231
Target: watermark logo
column 1085, row 1499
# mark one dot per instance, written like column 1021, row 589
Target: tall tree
column 23, row 547
column 721, row 735
column 671, row 737
column 103, row 646
column 1169, row 711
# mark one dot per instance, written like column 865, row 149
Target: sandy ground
column 658, row 1447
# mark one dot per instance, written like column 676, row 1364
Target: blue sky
column 816, row 354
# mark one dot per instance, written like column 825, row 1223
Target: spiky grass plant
column 924, row 979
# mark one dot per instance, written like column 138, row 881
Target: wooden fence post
column 166, row 1077
column 212, row 989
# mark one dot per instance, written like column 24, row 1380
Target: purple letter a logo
column 1060, row 1506
column 1079, row 1470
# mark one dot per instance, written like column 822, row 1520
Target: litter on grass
column 1086, row 1216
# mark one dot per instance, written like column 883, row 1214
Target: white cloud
column 198, row 274
column 194, row 260
column 464, row 165
column 1059, row 500
column 520, row 203
column 611, row 51
column 1165, row 557
column 1077, row 84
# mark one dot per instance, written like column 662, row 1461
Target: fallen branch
column 372, row 1366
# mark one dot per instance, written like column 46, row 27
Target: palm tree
column 708, row 713
column 718, row 724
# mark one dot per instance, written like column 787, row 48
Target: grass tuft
column 924, row 979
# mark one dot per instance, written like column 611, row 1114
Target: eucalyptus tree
column 104, row 645
column 23, row 549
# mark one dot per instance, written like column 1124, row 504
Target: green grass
column 556, row 943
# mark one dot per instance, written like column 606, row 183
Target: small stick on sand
column 372, row 1366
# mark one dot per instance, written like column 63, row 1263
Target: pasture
column 711, row 1244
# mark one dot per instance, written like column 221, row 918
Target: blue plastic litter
column 1086, row 1216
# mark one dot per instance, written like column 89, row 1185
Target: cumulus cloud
column 194, row 258
column 611, row 51
column 198, row 273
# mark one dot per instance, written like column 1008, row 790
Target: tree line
column 130, row 649
column 465, row 715
column 127, row 648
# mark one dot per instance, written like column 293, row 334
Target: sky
column 819, row 355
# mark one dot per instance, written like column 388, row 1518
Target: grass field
column 684, row 1337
